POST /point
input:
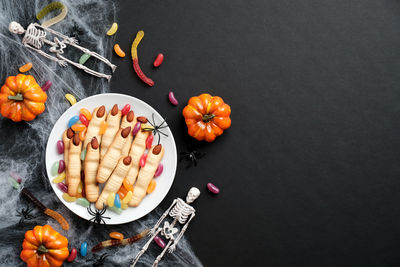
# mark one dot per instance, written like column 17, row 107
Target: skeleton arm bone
column 162, row 217
column 69, row 39
column 173, row 246
column 60, row 62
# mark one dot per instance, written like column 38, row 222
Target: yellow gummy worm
column 138, row 38
column 50, row 7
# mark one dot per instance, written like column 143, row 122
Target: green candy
column 14, row 183
column 115, row 209
column 54, row 168
column 83, row 154
column 83, row 202
column 84, row 58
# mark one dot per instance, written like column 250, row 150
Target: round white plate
column 140, row 108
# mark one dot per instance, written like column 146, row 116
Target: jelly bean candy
column 54, row 168
column 25, row 67
column 151, row 187
column 122, row 192
column 78, row 127
column 159, row 59
column 68, row 198
column 116, row 235
column 73, row 120
column 119, row 51
column 124, row 206
column 14, row 183
column 113, row 29
column 117, row 201
column 59, row 178
column 85, row 112
column 103, row 128
column 83, row 119
column 16, row 177
column 63, row 187
column 159, row 170
column 83, row 154
column 80, row 187
column 128, row 197
column 83, row 249
column 149, row 140
column 84, row 58
column 212, row 188
column 71, row 99
column 83, row 202
column 110, row 200
column 60, row 147
column 142, row 160
column 172, row 99
column 136, row 128
column 128, row 186
column 159, row 241
column 82, row 135
column 72, row 255
column 61, row 166
column 116, row 210
column 46, row 86
column 125, row 109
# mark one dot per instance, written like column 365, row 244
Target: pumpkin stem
column 208, row 117
column 17, row 97
column 42, row 249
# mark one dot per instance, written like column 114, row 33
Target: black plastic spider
column 191, row 157
column 99, row 261
column 25, row 214
column 156, row 128
column 77, row 32
column 97, row 214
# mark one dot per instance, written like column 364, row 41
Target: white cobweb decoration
column 22, row 145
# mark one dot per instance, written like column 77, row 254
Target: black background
column 308, row 172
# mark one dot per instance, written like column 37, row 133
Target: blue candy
column 117, row 201
column 83, row 250
column 73, row 120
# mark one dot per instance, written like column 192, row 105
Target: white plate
column 164, row 181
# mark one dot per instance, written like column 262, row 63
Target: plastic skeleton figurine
column 183, row 213
column 35, row 38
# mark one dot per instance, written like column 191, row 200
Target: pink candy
column 60, row 147
column 149, row 141
column 61, row 166
column 125, row 109
column 172, row 98
column 212, row 188
column 159, row 170
column 159, row 241
column 142, row 160
column 136, row 129
column 46, row 86
column 16, row 177
column 63, row 187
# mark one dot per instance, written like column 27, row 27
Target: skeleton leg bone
column 60, row 62
column 145, row 247
column 94, row 54
column 159, row 257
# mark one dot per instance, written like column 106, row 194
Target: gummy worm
column 50, row 7
column 135, row 59
column 123, row 242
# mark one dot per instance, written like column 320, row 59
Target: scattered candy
column 128, row 186
column 212, row 188
column 83, row 249
column 84, row 58
column 103, row 128
column 172, row 99
column 83, row 202
column 83, row 119
column 46, row 86
column 68, row 198
column 78, row 127
column 60, row 147
column 122, row 192
column 110, row 200
column 25, row 67
column 159, row 241
column 61, row 166
column 136, row 128
column 59, row 178
column 113, row 29
column 71, row 99
column 149, row 140
column 159, row 59
column 142, row 160
column 72, row 255
column 80, row 187
column 83, row 154
column 151, row 186
column 63, row 187
column 124, row 206
column 116, row 235
column 147, row 127
column 82, row 135
column 115, row 209
column 119, row 51
column 125, row 109
column 85, row 112
column 14, row 183
column 117, row 201
column 128, row 197
column 16, row 177
column 54, row 168
column 73, row 120
column 159, row 170
column 135, row 60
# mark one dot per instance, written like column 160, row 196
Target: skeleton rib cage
column 181, row 211
column 34, row 36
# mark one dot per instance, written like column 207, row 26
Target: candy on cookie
column 92, row 161
column 74, row 165
column 113, row 122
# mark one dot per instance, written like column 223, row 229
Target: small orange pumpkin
column 21, row 98
column 207, row 117
column 43, row 246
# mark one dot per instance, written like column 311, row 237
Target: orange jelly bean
column 119, row 51
column 103, row 128
column 151, row 186
column 82, row 135
column 122, row 192
column 116, row 235
column 25, row 67
column 85, row 112
column 128, row 186
column 78, row 127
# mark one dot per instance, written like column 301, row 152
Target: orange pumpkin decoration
column 43, row 246
column 207, row 117
column 21, row 98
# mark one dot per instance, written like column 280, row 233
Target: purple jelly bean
column 16, row 177
column 61, row 166
column 63, row 187
column 46, row 86
column 213, row 189
column 159, row 170
column 60, row 147
column 159, row 241
column 136, row 129
column 172, row 98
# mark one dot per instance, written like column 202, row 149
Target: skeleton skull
column 15, row 27
column 193, row 194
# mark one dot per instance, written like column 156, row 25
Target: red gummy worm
column 140, row 73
